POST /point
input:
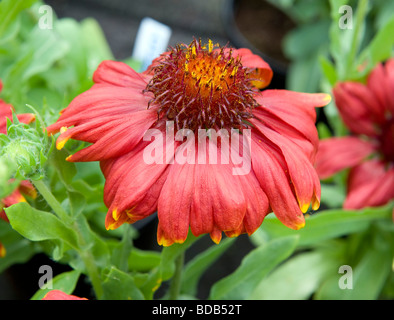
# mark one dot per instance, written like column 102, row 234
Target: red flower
column 60, row 295
column 191, row 89
column 25, row 187
column 6, row 112
column 368, row 112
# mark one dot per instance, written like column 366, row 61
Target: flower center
column 387, row 141
column 199, row 87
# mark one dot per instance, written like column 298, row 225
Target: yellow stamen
column 210, row 45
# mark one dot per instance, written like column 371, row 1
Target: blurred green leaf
column 328, row 70
column 303, row 75
column 9, row 12
column 254, row 267
column 323, row 225
column 169, row 254
column 298, row 278
column 118, row 285
column 65, row 282
column 370, row 268
column 378, row 50
column 305, row 40
column 97, row 48
column 18, row 249
column 332, row 195
column 196, row 267
column 166, row 269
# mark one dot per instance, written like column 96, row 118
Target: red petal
column 117, row 74
column 60, row 295
column 275, row 184
column 270, row 120
column 336, row 154
column 5, row 112
column 302, row 174
column 380, row 87
column 262, row 72
column 294, row 109
column 175, row 202
column 26, row 117
column 129, row 178
column 99, row 102
column 369, row 185
column 389, row 66
column 113, row 138
column 355, row 112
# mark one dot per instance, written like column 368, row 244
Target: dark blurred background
column 239, row 23
column 255, row 24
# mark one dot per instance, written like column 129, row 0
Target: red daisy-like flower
column 368, row 112
column 131, row 118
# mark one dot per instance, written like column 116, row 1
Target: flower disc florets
column 199, row 87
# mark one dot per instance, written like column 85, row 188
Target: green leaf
column 169, row 254
column 370, row 268
column 18, row 249
column 166, row 268
column 65, row 282
column 304, row 74
column 38, row 225
column 196, row 267
column 379, row 49
column 297, row 279
column 305, row 40
column 332, row 195
column 324, row 225
column 254, row 267
column 47, row 48
column 96, row 46
column 143, row 260
column 66, row 170
column 118, row 285
column 328, row 70
column 9, row 12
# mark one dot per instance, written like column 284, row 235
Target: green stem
column 92, row 272
column 360, row 15
column 52, row 201
column 177, row 278
column 85, row 255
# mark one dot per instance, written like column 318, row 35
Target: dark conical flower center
column 198, row 87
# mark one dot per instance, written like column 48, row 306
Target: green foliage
column 254, row 267
column 44, row 69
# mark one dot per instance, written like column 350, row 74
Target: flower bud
column 26, row 149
